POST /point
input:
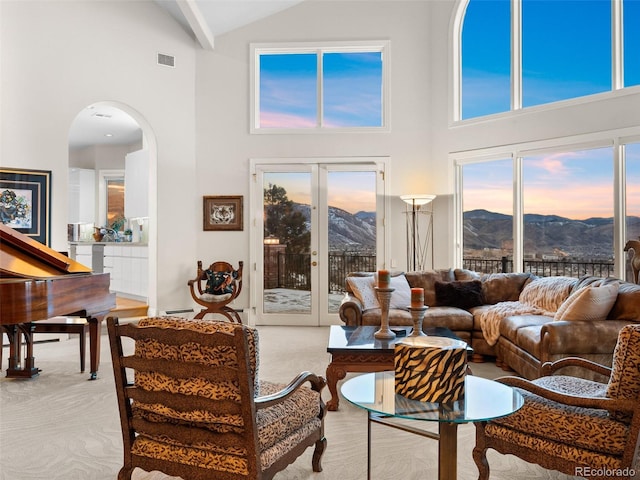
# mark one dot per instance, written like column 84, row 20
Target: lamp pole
column 413, row 232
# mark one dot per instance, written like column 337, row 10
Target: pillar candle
column 417, row 297
column 384, row 278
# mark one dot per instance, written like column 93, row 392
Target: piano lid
column 22, row 256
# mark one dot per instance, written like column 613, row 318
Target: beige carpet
column 62, row 426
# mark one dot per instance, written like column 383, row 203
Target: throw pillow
column 589, row 303
column 362, row 288
column 401, row 296
column 463, row 295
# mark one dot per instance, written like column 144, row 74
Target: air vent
column 166, row 60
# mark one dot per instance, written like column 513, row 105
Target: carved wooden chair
column 576, row 426
column 197, row 408
column 215, row 288
column 634, row 246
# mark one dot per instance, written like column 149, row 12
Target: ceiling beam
column 198, row 24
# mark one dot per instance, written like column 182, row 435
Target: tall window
column 632, row 154
column 566, row 49
column 488, row 215
column 560, row 50
column 631, row 42
column 308, row 88
column 486, row 58
column 568, row 210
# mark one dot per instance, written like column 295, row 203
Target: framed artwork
column 222, row 212
column 25, row 202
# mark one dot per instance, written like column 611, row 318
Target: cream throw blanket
column 540, row 297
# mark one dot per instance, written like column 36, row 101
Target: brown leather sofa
column 520, row 342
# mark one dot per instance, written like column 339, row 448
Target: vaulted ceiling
column 206, row 19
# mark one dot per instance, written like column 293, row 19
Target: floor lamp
column 418, row 236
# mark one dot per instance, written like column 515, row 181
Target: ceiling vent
column 166, row 60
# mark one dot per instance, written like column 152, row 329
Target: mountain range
column 545, row 234
column 484, row 230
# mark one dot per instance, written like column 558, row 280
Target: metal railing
column 294, row 269
column 541, row 268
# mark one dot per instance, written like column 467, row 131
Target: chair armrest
column 317, row 384
column 351, row 310
column 549, row 368
column 603, row 403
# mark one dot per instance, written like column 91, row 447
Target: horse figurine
column 635, row 260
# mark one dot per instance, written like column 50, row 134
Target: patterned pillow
column 625, row 371
column 401, row 296
column 589, row 303
column 362, row 288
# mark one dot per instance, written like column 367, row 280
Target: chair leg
column 321, row 445
column 480, row 453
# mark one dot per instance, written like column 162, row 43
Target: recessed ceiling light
column 108, row 134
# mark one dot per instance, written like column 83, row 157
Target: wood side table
column 355, row 349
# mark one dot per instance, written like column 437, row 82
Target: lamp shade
column 417, row 199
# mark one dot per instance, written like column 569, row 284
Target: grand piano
column 38, row 283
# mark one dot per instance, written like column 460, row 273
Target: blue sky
column 352, row 90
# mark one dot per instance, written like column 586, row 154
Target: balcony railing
column 294, row 269
column 541, row 268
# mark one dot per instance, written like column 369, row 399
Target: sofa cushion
column 363, row 289
column 510, row 325
column 627, row 306
column 504, row 287
column 589, row 303
column 426, row 279
column 624, row 381
column 465, row 295
column 547, row 293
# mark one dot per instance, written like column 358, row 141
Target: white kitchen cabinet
column 127, row 264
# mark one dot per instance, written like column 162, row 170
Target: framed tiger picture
column 222, row 212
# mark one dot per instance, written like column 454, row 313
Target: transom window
column 543, row 51
column 326, row 87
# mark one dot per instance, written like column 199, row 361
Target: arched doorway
column 112, row 181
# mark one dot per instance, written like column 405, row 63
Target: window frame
column 258, row 49
column 615, row 139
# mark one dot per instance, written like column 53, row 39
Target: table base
column 447, row 437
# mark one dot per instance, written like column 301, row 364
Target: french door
column 312, row 223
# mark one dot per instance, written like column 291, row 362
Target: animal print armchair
column 215, row 288
column 572, row 425
column 192, row 403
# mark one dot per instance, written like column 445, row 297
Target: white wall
column 59, row 57
column 224, row 145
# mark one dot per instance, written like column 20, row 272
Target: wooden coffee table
column 355, row 349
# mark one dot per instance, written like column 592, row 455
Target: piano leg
column 15, row 334
column 95, row 330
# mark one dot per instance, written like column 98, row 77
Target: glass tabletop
column 483, row 400
column 344, row 339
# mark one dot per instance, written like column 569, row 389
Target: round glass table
column 483, row 400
